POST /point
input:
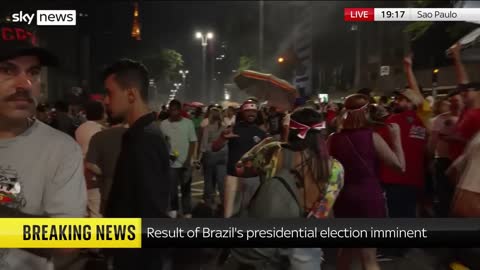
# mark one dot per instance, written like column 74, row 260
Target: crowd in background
column 367, row 157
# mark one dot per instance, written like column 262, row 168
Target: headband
column 303, row 129
column 249, row 106
column 355, row 110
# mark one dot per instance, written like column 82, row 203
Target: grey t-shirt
column 41, row 173
column 103, row 151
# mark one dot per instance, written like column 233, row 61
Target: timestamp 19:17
column 393, row 14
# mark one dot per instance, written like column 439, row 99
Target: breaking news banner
column 311, row 233
column 159, row 233
column 70, row 233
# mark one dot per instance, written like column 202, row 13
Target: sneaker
column 187, row 216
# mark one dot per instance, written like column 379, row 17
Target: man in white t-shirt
column 181, row 136
column 443, row 126
column 41, row 170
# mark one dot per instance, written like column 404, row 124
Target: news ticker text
column 157, row 233
column 411, row 14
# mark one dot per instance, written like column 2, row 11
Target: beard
column 398, row 109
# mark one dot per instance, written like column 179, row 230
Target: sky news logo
column 47, row 17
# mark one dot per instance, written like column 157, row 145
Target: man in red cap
column 41, row 169
column 241, row 138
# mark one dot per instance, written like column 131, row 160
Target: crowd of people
column 365, row 158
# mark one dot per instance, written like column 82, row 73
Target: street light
column 435, row 82
column 281, row 60
column 184, row 74
column 204, row 39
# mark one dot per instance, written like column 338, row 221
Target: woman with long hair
column 298, row 180
column 214, row 163
column 360, row 149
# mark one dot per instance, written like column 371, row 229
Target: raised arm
column 412, row 81
column 461, row 72
column 226, row 135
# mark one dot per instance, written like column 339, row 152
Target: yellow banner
column 70, row 233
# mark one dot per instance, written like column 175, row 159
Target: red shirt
column 331, row 116
column 413, row 136
column 467, row 126
column 185, row 114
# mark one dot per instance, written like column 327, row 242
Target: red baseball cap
column 17, row 40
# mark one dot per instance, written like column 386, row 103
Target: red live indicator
column 359, row 14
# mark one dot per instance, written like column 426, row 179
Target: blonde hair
column 215, row 116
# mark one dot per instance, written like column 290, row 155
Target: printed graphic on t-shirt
column 417, row 132
column 11, row 195
column 10, row 189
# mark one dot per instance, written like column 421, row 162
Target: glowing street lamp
column 184, row 74
column 204, row 39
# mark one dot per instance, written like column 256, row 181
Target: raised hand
column 455, row 49
column 407, row 60
column 228, row 134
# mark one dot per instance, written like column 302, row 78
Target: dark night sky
column 172, row 24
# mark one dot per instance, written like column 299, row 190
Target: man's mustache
column 23, row 95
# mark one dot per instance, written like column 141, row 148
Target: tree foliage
column 164, row 66
column 246, row 62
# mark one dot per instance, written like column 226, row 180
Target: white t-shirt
column 85, row 132
column 443, row 124
column 41, row 173
column 470, row 179
column 180, row 134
